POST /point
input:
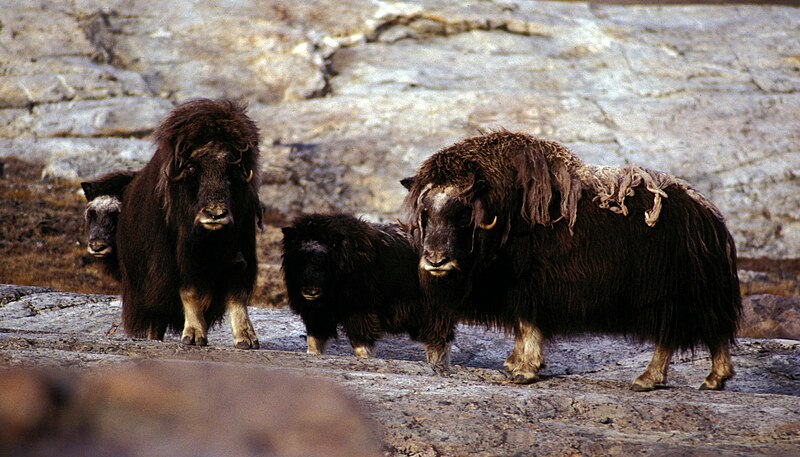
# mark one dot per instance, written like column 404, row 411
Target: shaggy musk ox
column 186, row 236
column 518, row 233
column 340, row 270
column 104, row 197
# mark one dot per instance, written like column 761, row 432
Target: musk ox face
column 206, row 184
column 310, row 267
column 449, row 229
column 100, row 221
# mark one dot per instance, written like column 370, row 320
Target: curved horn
column 180, row 176
column 489, row 226
column 250, row 176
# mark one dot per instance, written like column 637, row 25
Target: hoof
column 642, row 387
column 199, row 341
column 440, row 369
column 712, row 385
column 524, row 378
column 245, row 344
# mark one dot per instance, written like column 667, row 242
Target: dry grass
column 42, row 241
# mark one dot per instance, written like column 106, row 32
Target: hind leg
column 656, row 372
column 524, row 363
column 721, row 368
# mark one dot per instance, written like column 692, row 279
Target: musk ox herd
column 501, row 230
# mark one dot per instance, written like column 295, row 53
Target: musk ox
column 340, row 270
column 104, row 197
column 186, row 234
column 516, row 232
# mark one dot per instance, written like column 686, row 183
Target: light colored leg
column 363, row 352
column 438, row 354
column 194, row 323
column 316, row 345
column 721, row 369
column 524, row 363
column 244, row 335
column 656, row 372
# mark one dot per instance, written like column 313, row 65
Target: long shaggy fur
column 582, row 249
column 367, row 276
column 160, row 248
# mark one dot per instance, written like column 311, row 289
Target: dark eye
column 91, row 214
column 423, row 219
column 189, row 169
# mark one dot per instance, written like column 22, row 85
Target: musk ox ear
column 407, row 182
column 88, row 191
column 288, row 231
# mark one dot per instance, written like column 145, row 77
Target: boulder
column 351, row 96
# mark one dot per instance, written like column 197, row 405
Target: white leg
column 244, row 335
column 316, row 345
column 527, row 358
column 656, row 372
column 194, row 323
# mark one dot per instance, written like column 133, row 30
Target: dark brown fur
column 340, row 270
column 559, row 262
column 206, row 149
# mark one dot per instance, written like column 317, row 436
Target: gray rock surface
column 582, row 406
column 351, row 96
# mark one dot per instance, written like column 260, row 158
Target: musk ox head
column 467, row 199
column 208, row 151
column 451, row 226
column 322, row 253
column 104, row 196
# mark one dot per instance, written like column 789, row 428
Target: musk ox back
column 104, row 197
column 186, row 237
column 340, row 270
column 517, row 232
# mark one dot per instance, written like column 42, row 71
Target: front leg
column 244, row 335
column 318, row 331
column 524, row 363
column 195, row 303
column 362, row 331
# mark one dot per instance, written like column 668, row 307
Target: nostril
column 220, row 214
column 97, row 246
column 216, row 213
column 436, row 260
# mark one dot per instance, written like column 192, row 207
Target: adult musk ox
column 104, row 197
column 340, row 270
column 518, row 233
column 186, row 236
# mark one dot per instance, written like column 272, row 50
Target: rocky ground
column 582, row 406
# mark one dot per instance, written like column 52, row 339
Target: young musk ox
column 104, row 197
column 186, row 234
column 518, row 233
column 340, row 270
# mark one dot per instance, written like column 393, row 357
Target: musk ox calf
column 104, row 197
column 186, row 234
column 518, row 233
column 340, row 270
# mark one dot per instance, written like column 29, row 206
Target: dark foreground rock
column 168, row 408
column 582, row 406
